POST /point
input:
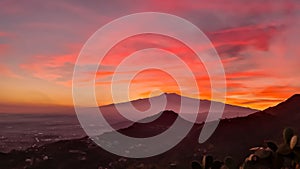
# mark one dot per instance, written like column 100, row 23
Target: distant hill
column 173, row 103
column 233, row 137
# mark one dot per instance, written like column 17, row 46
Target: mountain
column 172, row 103
column 285, row 108
column 233, row 137
column 22, row 126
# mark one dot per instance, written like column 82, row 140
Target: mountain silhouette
column 233, row 137
column 173, row 101
column 288, row 107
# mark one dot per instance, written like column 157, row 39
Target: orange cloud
column 5, row 71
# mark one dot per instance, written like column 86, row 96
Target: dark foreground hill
column 233, row 137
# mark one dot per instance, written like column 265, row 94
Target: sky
column 257, row 42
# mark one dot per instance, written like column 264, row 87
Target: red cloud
column 55, row 68
column 4, row 48
column 2, row 34
column 231, row 41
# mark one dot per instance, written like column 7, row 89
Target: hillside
column 233, row 137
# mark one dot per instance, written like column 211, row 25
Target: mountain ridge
column 286, row 106
column 173, row 103
column 233, row 137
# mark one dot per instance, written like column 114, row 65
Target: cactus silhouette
column 229, row 163
column 288, row 133
column 284, row 155
column 196, row 165
column 216, row 165
column 207, row 162
column 273, row 146
column 293, row 142
column 271, row 155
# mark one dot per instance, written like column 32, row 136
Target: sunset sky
column 257, row 41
